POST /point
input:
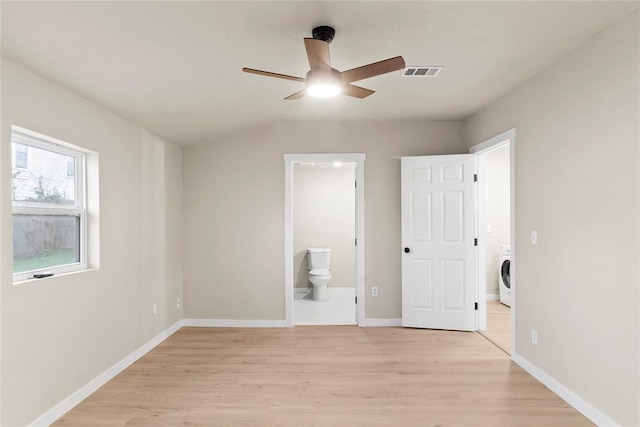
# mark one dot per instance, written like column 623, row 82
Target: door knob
column 407, row 250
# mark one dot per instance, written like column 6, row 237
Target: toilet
column 319, row 261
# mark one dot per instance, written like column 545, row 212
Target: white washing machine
column 504, row 274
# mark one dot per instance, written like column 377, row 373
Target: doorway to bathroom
column 324, row 239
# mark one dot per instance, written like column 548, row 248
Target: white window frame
column 39, row 141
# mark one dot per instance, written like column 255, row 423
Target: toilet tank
column 319, row 258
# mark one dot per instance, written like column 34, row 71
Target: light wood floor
column 498, row 325
column 324, row 376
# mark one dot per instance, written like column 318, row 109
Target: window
column 49, row 210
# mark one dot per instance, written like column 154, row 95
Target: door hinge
column 475, row 242
column 356, row 242
column 356, row 182
column 476, row 306
column 356, row 300
column 475, row 177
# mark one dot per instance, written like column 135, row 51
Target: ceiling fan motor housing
column 324, row 33
column 334, row 75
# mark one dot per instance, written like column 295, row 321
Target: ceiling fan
column 323, row 81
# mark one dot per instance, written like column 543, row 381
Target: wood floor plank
column 324, row 376
column 498, row 325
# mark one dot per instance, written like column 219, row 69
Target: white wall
column 59, row 333
column 324, row 213
column 577, row 184
column 497, row 210
column 234, row 211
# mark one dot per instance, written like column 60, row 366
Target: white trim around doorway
column 508, row 137
column 289, row 160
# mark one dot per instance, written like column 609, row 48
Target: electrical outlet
column 178, row 303
column 534, row 237
column 155, row 308
column 374, row 291
column 534, row 337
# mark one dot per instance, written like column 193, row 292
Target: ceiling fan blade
column 372, row 70
column 318, row 54
column 296, row 95
column 270, row 74
column 357, row 91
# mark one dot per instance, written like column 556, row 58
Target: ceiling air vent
column 421, row 71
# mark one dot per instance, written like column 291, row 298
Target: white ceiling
column 174, row 67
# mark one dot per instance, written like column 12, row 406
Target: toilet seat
column 319, row 272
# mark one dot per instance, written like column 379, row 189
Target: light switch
column 489, row 229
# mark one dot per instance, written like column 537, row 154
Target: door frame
column 289, row 160
column 507, row 137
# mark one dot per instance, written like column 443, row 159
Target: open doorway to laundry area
column 496, row 225
column 324, row 239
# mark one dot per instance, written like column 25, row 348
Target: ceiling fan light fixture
column 323, row 90
column 324, row 85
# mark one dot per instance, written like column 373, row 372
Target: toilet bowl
column 319, row 262
column 320, row 279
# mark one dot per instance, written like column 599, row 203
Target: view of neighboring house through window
column 48, row 206
column 21, row 156
column 71, row 168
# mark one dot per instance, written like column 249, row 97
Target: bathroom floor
column 339, row 309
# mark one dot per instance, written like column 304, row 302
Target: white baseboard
column 234, row 323
column 67, row 404
column 381, row 322
column 567, row 395
column 493, row 297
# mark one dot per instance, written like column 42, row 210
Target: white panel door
column 438, row 249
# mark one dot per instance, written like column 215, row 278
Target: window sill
column 68, row 273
